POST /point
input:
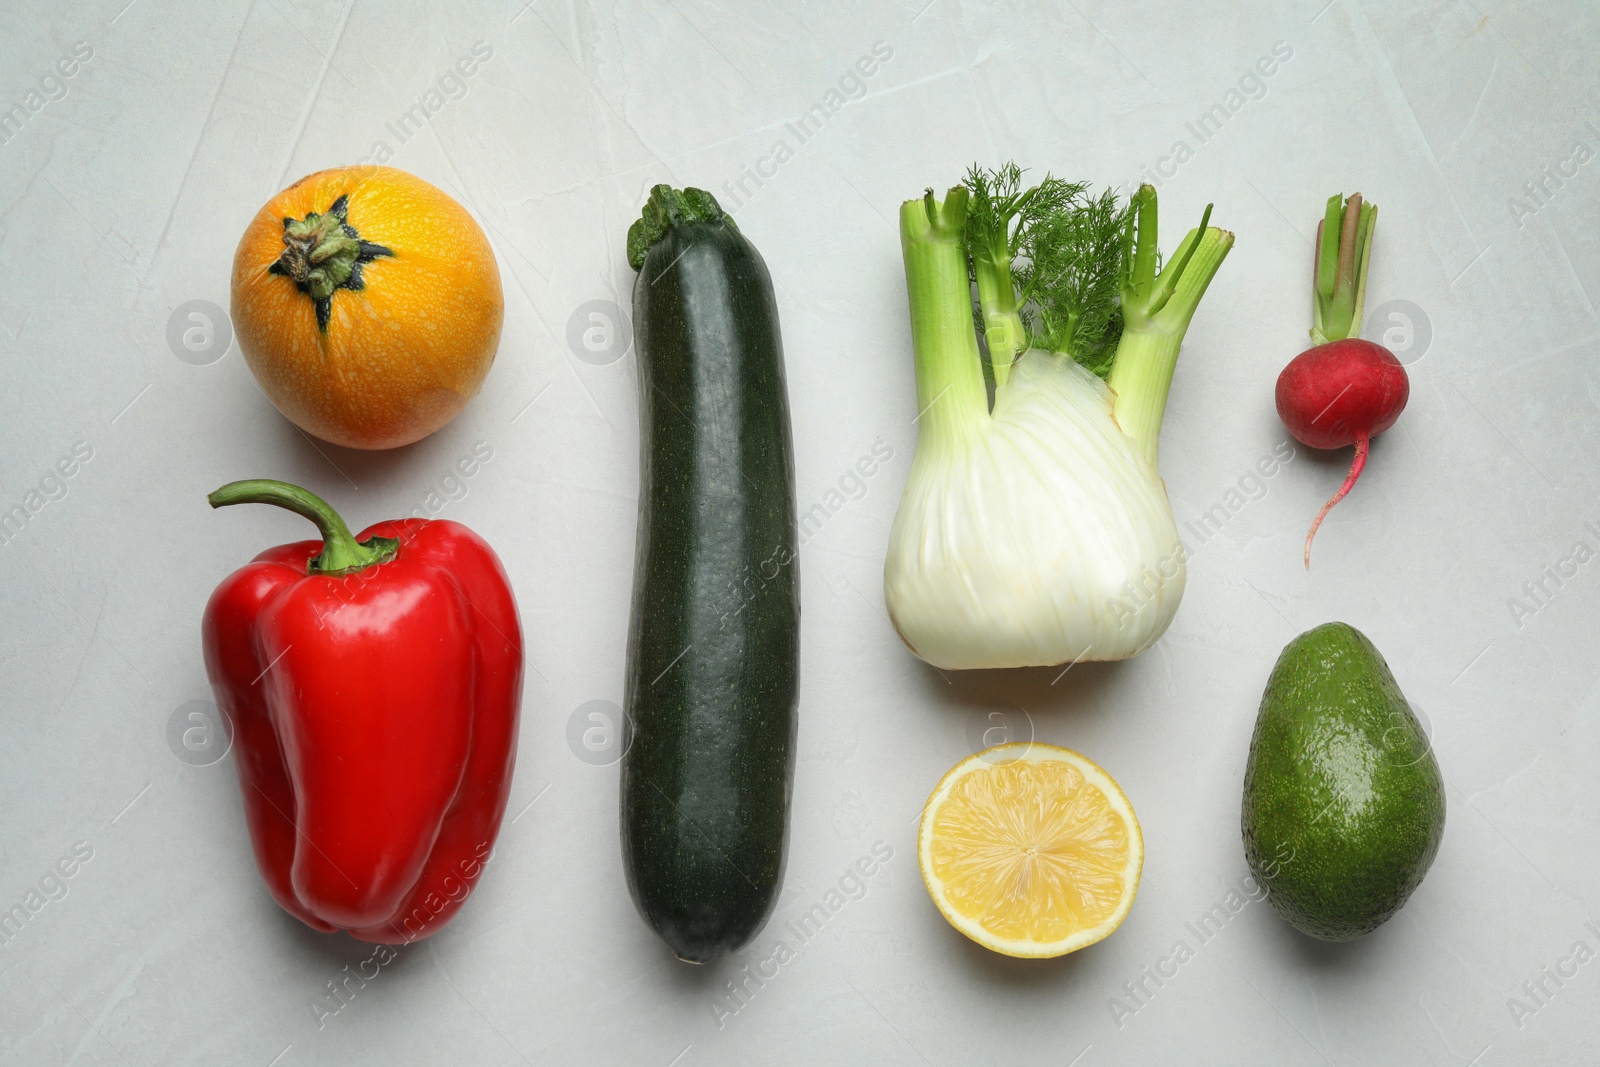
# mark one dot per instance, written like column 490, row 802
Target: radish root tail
column 1362, row 441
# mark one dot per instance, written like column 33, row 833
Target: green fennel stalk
column 1156, row 309
column 950, row 392
column 1001, row 221
column 1056, row 269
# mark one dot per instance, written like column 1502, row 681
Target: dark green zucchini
column 714, row 645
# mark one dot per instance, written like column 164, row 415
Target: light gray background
column 122, row 200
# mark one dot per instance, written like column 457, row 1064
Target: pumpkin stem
column 318, row 254
column 323, row 252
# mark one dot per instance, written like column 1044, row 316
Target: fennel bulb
column 1040, row 533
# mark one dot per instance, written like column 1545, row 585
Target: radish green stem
column 1369, row 222
column 1344, row 248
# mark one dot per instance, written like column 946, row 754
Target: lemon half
column 1031, row 850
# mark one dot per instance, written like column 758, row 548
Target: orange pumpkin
column 367, row 304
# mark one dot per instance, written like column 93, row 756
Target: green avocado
column 1343, row 801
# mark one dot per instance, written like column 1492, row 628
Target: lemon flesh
column 1031, row 850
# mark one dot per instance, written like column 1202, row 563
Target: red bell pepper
column 374, row 688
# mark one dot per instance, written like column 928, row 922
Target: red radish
column 1345, row 391
column 1341, row 393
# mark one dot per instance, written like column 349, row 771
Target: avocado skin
column 1343, row 801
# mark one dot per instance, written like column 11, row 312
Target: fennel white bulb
column 1040, row 533
column 1045, row 538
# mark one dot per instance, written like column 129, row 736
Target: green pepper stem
column 341, row 552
